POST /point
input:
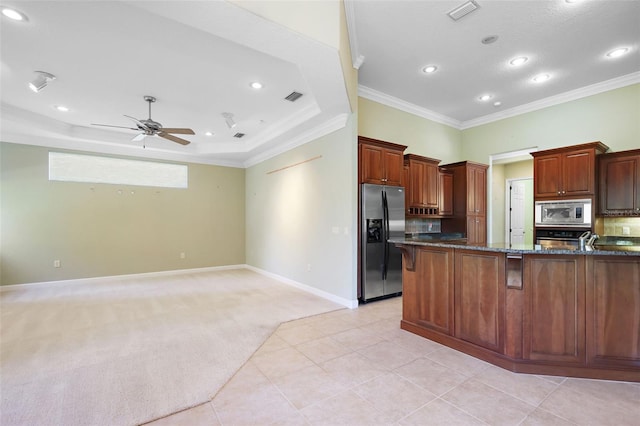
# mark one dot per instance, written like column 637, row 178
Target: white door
column 516, row 212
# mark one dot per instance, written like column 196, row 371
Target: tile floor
column 357, row 367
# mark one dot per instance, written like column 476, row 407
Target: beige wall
column 101, row 232
column 301, row 214
column 611, row 117
column 420, row 135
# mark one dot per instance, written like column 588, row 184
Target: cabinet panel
column 613, row 311
column 480, row 299
column 380, row 162
column 428, row 292
column 619, row 179
column 393, row 165
column 371, row 164
column 554, row 316
column 547, row 176
column 579, row 173
column 445, row 193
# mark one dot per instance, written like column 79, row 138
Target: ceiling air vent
column 463, row 10
column 293, row 96
column 238, row 135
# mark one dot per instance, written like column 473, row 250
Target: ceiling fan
column 149, row 127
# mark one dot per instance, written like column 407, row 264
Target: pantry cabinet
column 380, row 162
column 445, row 193
column 619, row 183
column 568, row 172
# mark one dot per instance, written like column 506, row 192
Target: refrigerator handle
column 385, row 233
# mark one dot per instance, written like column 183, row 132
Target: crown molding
column 572, row 95
column 383, row 98
column 329, row 126
column 349, row 10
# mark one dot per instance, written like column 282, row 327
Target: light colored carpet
column 132, row 350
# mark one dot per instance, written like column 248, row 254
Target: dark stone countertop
column 515, row 249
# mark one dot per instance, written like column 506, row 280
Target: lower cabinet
column 480, row 298
column 613, row 311
column 554, row 311
column 428, row 290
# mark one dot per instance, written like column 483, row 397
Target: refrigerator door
column 373, row 241
column 395, row 203
column 382, row 213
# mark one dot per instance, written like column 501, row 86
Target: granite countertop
column 514, row 249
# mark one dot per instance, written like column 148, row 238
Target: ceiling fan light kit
column 149, row 127
column 40, row 82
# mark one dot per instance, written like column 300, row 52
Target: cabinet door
column 417, row 172
column 620, row 185
column 428, row 291
column 547, row 172
column 431, row 185
column 445, row 193
column 393, row 167
column 476, row 230
column 480, row 298
column 578, row 173
column 613, row 310
column 371, row 164
column 554, row 311
column 479, row 189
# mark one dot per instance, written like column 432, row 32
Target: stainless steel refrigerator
column 382, row 217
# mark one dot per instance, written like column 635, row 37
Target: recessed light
column 540, row 78
column 516, row 62
column 429, row 69
column 61, row 108
column 208, row 133
column 256, row 85
column 14, row 14
column 497, row 103
column 485, row 97
column 616, row 53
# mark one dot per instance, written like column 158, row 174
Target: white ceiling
column 199, row 57
column 394, row 40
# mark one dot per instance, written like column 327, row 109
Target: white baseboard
column 92, row 280
column 351, row 304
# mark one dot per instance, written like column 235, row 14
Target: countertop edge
column 445, row 244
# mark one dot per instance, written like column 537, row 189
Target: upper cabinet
column 568, row 172
column 445, row 193
column 380, row 162
column 619, row 183
column 421, row 185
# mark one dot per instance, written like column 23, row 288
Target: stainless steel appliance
column 561, row 239
column 561, row 214
column 382, row 217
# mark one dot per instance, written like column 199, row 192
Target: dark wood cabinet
column 422, row 185
column 613, row 311
column 619, row 183
column 554, row 311
column 428, row 290
column 568, row 172
column 380, row 162
column 445, row 193
column 469, row 201
column 480, row 298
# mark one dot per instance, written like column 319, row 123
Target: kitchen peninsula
column 554, row 312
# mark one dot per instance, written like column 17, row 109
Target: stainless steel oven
column 561, row 214
column 560, row 239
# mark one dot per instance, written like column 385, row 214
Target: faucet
column 592, row 240
column 582, row 240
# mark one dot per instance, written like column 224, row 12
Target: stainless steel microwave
column 566, row 213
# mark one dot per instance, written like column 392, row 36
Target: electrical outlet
column 626, row 230
column 183, row 255
column 56, row 263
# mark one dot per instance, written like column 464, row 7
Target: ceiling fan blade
column 138, row 122
column 178, row 131
column 172, row 138
column 139, row 137
column 109, row 125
